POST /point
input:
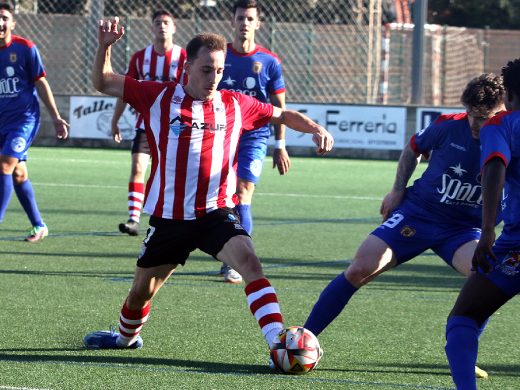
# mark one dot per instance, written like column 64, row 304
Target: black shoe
column 130, row 227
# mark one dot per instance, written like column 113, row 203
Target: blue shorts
column 251, row 155
column 409, row 235
column 506, row 272
column 16, row 138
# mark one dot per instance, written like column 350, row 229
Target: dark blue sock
column 6, row 189
column 482, row 327
column 462, row 349
column 246, row 218
column 25, row 194
column 331, row 302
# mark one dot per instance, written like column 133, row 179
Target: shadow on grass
column 32, row 356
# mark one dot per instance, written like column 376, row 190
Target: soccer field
column 200, row 334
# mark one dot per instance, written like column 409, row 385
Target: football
column 296, row 351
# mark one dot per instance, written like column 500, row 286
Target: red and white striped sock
column 130, row 324
column 135, row 200
column 263, row 303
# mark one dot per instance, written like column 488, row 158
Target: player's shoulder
column 267, row 52
column 455, row 117
column 16, row 39
column 504, row 116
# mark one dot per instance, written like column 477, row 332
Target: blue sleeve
column 276, row 82
column 429, row 138
column 495, row 142
column 36, row 65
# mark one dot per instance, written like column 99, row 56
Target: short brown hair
column 213, row 42
column 484, row 92
column 8, row 6
column 245, row 4
column 162, row 12
column 511, row 75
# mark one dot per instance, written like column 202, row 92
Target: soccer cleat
column 107, row 339
column 37, row 233
column 130, row 227
column 480, row 373
column 231, row 276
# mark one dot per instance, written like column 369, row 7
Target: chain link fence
column 329, row 49
column 332, row 51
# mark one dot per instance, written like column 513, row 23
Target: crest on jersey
column 510, row 264
column 257, row 67
column 13, row 57
column 177, row 99
column 407, row 231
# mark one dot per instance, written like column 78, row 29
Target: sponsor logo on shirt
column 458, row 147
column 177, row 127
column 456, row 192
column 9, row 85
column 510, row 264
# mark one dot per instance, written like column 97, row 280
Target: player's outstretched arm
column 299, row 122
column 45, row 93
column 408, row 161
column 118, row 112
column 493, row 178
column 103, row 77
column 281, row 158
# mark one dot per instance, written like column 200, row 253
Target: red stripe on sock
column 262, row 301
column 136, row 187
column 135, row 314
column 270, row 318
column 257, row 285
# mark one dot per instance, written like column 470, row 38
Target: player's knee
column 19, row 176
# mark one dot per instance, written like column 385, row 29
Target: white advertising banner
column 91, row 116
column 426, row 115
column 358, row 127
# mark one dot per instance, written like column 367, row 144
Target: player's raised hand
column 390, row 202
column 61, row 127
column 323, row 140
column 109, row 31
column 483, row 252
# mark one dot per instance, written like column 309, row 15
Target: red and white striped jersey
column 147, row 64
column 193, row 145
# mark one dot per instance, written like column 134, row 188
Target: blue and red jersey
column 450, row 185
column 20, row 67
column 257, row 74
column 500, row 137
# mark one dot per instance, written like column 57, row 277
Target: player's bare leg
column 134, row 314
column 135, row 193
column 372, row 258
column 245, row 190
column 7, row 166
column 261, row 296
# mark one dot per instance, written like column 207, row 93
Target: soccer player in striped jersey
column 22, row 82
column 161, row 61
column 193, row 132
column 497, row 263
column 257, row 72
column 441, row 211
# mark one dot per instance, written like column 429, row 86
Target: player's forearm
column 103, row 77
column 118, row 110
column 297, row 121
column 493, row 178
column 45, row 93
column 278, row 100
column 408, row 161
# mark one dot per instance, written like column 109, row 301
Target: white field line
column 256, row 193
column 18, row 388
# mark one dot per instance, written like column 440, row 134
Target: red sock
column 130, row 324
column 135, row 200
column 263, row 303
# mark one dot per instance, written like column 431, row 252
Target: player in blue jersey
column 497, row 263
column 440, row 211
column 22, row 80
column 255, row 71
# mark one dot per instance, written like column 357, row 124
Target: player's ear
column 187, row 68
